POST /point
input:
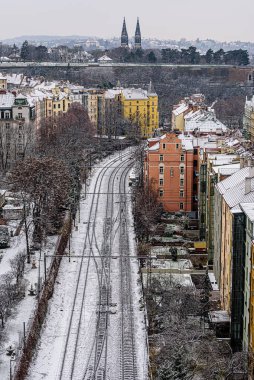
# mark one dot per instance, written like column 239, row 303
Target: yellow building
column 3, row 83
column 141, row 108
column 138, row 106
column 57, row 102
column 226, row 256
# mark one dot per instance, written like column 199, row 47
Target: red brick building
column 171, row 165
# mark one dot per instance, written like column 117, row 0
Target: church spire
column 138, row 36
column 124, row 36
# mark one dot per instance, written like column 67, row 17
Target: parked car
column 4, row 237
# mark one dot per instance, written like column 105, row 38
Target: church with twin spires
column 125, row 38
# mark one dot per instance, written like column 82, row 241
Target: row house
column 170, row 167
column 17, row 118
column 184, row 107
column 230, row 246
column 215, row 167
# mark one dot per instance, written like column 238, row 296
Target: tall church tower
column 124, row 36
column 138, row 36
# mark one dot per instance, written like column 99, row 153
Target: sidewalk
column 16, row 325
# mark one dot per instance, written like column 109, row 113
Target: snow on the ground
column 23, row 312
column 48, row 358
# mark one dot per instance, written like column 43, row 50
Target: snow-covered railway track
column 71, row 352
column 128, row 369
column 97, row 371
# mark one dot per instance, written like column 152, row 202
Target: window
column 161, row 157
column 181, row 182
column 7, row 125
column 161, row 193
column 163, row 146
column 181, row 206
column 181, row 170
column 59, row 105
column 161, row 182
column 7, row 115
column 195, row 163
column 161, row 169
column 182, row 157
column 20, row 127
column 20, row 115
column 54, row 106
column 181, row 193
column 177, row 146
column 195, row 151
column 171, row 172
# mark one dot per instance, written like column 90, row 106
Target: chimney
column 247, row 185
column 241, row 162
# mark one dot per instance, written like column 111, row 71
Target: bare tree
column 18, row 266
column 47, row 182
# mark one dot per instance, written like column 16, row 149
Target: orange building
column 171, row 165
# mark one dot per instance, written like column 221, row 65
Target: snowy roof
column 135, row 94
column 227, row 169
column 154, row 147
column 20, row 96
column 203, row 121
column 111, row 93
column 104, row 58
column 6, row 100
column 187, row 142
column 248, row 209
column 233, row 180
column 179, row 110
column 233, row 188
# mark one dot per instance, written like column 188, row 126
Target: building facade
column 17, row 128
column 169, row 168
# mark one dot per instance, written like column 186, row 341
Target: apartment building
column 230, row 247
column 17, row 118
column 170, row 167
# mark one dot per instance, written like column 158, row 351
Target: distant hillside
column 147, row 43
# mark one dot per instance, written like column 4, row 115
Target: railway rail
column 92, row 364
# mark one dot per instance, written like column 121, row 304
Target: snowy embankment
column 21, row 316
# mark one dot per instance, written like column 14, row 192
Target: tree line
column 191, row 55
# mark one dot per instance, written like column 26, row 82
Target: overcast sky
column 224, row 20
